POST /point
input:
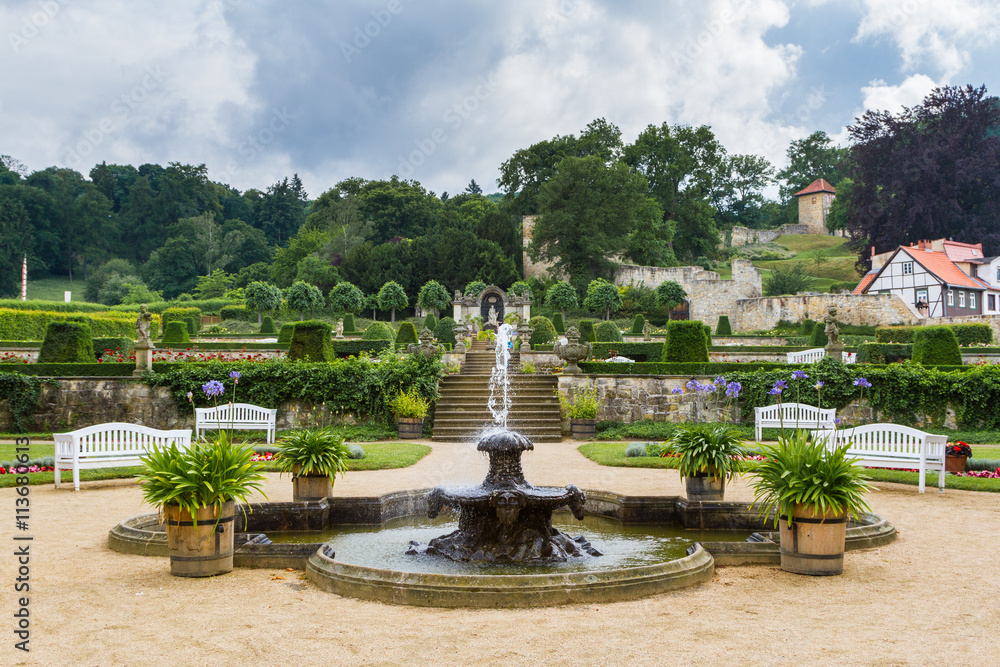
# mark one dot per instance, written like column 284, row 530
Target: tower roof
column 819, row 185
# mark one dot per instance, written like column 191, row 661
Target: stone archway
column 492, row 298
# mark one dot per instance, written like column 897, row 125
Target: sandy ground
column 930, row 598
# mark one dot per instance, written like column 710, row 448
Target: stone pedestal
column 143, row 359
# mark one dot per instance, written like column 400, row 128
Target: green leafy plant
column 608, row 332
column 409, row 404
column 801, row 471
column 712, row 451
column 580, row 404
column 319, row 452
column 486, row 334
column 637, row 324
column 527, row 368
column 206, row 474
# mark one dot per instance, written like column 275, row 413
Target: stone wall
column 532, row 269
column 741, row 236
column 871, row 309
column 709, row 296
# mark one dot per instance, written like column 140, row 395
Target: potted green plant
column 708, row 458
column 313, row 457
column 956, row 455
column 812, row 491
column 196, row 489
column 581, row 408
column 410, row 409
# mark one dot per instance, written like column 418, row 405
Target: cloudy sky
column 443, row 91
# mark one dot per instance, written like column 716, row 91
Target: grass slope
column 51, row 289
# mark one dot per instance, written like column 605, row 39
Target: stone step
column 535, row 436
column 522, row 394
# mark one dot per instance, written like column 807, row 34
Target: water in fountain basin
column 499, row 403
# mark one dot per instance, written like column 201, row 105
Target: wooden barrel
column 203, row 550
column 814, row 543
column 704, row 488
column 954, row 463
column 410, row 428
column 310, row 487
column 583, row 429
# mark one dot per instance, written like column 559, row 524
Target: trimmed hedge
column 806, row 327
column 445, row 331
column 177, row 315
column 558, row 324
column 685, row 342
column 723, row 328
column 176, row 333
column 192, row 325
column 235, row 347
column 884, row 353
column 936, row 345
column 818, row 337
column 636, row 351
column 587, row 333
column 285, row 334
column 407, row 334
column 679, row 369
column 966, row 334
column 267, row 326
column 67, row 343
column 206, row 306
column 236, row 313
column 708, row 335
column 379, row 331
column 18, row 324
column 126, row 345
column 608, row 332
column 58, row 306
column 311, row 342
column 349, row 323
column 430, row 322
column 353, row 348
column 543, row 333
column 637, row 324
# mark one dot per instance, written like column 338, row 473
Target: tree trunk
column 260, row 317
column 392, row 316
column 302, row 315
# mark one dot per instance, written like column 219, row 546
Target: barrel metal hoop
column 785, row 552
column 797, row 519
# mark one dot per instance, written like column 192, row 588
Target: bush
column 379, row 331
column 445, row 331
column 883, row 353
column 285, row 334
column 786, row 281
column 355, row 452
column 311, row 342
column 608, row 332
column 637, row 324
column 407, row 334
column 235, row 313
column 349, row 323
column 708, row 335
column 685, row 342
column 543, row 332
column 192, row 325
column 587, row 332
column 807, row 326
column 353, row 348
column 634, row 351
column 966, row 334
column 267, row 326
column 723, row 328
column 430, row 322
column 67, row 343
column 177, row 315
column 558, row 324
column 19, row 324
column 818, row 337
column 176, row 332
column 936, row 346
column 635, row 449
column 843, row 287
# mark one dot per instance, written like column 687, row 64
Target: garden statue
column 492, row 318
column 571, row 350
column 834, row 348
column 340, row 328
column 427, row 347
column 647, row 331
column 524, row 333
column 142, row 324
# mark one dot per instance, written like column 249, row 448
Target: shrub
column 608, row 332
column 379, row 331
column 967, row 334
column 349, row 323
column 807, row 326
column 311, row 342
column 267, row 326
column 843, row 287
column 637, row 324
column 708, row 335
column 430, row 322
column 685, row 342
column 407, row 334
column 723, row 328
column 635, row 449
column 285, row 334
column 445, row 331
column 177, row 315
column 21, row 324
column 587, row 332
column 67, row 343
column 356, row 452
column 936, row 346
column 192, row 325
column 558, row 324
column 235, row 313
column 409, row 404
column 580, row 404
column 176, row 332
column 818, row 337
column 126, row 345
column 353, row 348
column 543, row 332
column 786, row 281
column 634, row 351
column 883, row 353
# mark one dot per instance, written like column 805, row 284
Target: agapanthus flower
column 733, row 389
column 235, row 376
column 799, row 375
column 819, row 385
column 775, row 391
column 676, row 390
column 863, row 383
column 720, row 381
column 190, row 396
column 213, row 388
column 780, row 384
column 692, row 384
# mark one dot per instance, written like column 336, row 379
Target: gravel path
column 929, row 598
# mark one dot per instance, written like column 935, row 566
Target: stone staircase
column 461, row 411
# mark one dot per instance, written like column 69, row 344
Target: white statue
column 340, row 328
column 492, row 317
column 142, row 327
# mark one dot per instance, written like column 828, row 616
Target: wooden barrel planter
column 203, row 550
column 583, row 429
column 955, row 463
column 703, row 488
column 814, row 543
column 310, row 487
column 410, row 428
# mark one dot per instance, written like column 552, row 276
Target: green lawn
column 613, row 454
column 836, row 261
column 51, row 289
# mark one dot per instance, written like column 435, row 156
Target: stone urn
column 571, row 351
column 427, row 346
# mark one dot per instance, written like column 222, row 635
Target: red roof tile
column 819, row 185
column 960, row 252
column 865, row 282
column 942, row 267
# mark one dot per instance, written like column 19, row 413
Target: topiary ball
column 608, row 332
column 544, row 333
column 379, row 331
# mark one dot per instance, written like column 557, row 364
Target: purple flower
column 775, row 391
column 213, row 388
column 676, row 390
column 799, row 375
column 863, row 383
column 720, row 381
column 836, row 420
column 780, row 384
column 234, row 375
column 190, row 397
column 692, row 384
column 707, row 388
column 733, row 389
column 819, row 385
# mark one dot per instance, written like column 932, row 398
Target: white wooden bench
column 236, row 416
column 109, row 446
column 792, row 415
column 815, row 354
column 891, row 446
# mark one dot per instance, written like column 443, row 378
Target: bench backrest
column 117, row 439
column 791, row 413
column 805, row 356
column 235, row 412
column 890, row 440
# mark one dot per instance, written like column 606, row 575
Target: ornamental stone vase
column 572, row 351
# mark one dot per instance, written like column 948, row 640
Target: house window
column 992, row 301
column 921, row 295
column 972, row 300
column 961, row 299
column 998, row 274
column 951, row 298
column 907, row 268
